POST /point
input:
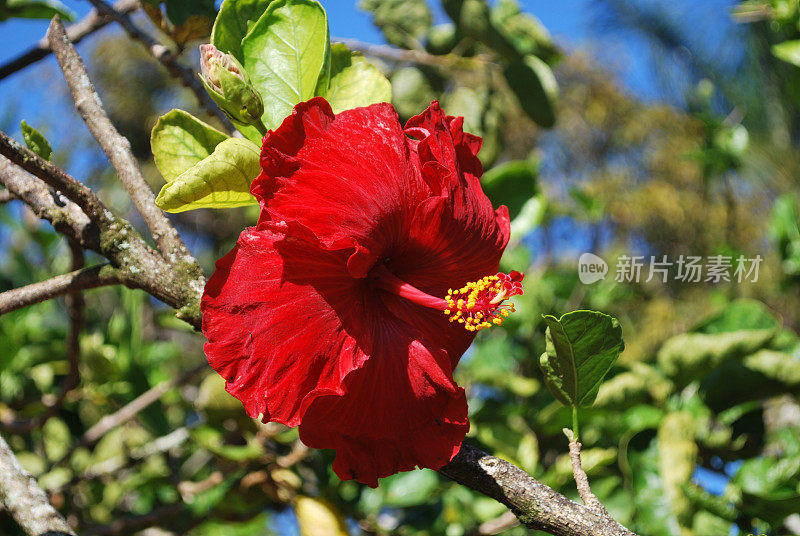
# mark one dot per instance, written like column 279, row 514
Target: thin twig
column 179, row 286
column 76, row 32
column 506, row 520
column 420, row 57
column 116, row 146
column 55, row 177
column 187, row 77
column 25, row 501
column 83, row 279
column 67, row 218
column 582, row 481
column 131, row 410
column 536, row 505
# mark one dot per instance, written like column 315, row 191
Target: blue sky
column 573, row 23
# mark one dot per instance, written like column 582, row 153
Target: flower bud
column 229, row 86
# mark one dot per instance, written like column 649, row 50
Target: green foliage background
column 708, row 383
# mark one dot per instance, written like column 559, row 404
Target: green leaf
column 318, row 517
column 354, row 81
column 179, row 141
column 691, row 356
column 742, row 314
column 785, row 230
column 468, row 103
column 27, row 9
column 35, row 141
column 287, row 54
column 202, row 503
column 536, row 88
column 524, row 31
column 511, row 184
column 221, row 180
column 410, row 489
column 56, row 438
column 581, row 347
column 411, row 91
column 788, row 51
column 178, row 11
column 234, row 20
column 403, row 22
column 473, row 17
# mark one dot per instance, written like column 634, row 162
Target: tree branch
column 131, row 410
column 582, row 481
column 25, row 500
column 401, row 55
column 76, row 32
column 116, row 146
column 84, row 279
column 65, row 216
column 187, row 77
column 536, row 505
column 80, row 194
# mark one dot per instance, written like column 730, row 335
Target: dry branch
column 58, row 179
column 116, row 146
column 536, row 505
column 582, row 481
column 76, row 32
column 83, row 279
column 65, row 216
column 25, row 500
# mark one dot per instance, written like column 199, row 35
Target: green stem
column 261, row 127
column 575, row 422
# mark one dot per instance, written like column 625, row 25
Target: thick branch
column 25, row 500
column 536, row 505
column 84, row 279
column 67, row 218
column 76, row 32
column 116, row 146
column 168, row 59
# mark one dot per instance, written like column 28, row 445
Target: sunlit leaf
column 35, row 141
column 179, row 141
column 234, row 20
column 221, row 180
column 788, row 51
column 29, row 9
column 317, row 517
column 287, row 55
column 354, row 81
column 581, row 347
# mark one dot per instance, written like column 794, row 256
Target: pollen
column 483, row 303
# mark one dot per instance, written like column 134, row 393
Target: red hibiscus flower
column 344, row 310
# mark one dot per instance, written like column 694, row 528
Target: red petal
column 258, row 322
column 348, row 176
column 441, row 139
column 401, row 410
